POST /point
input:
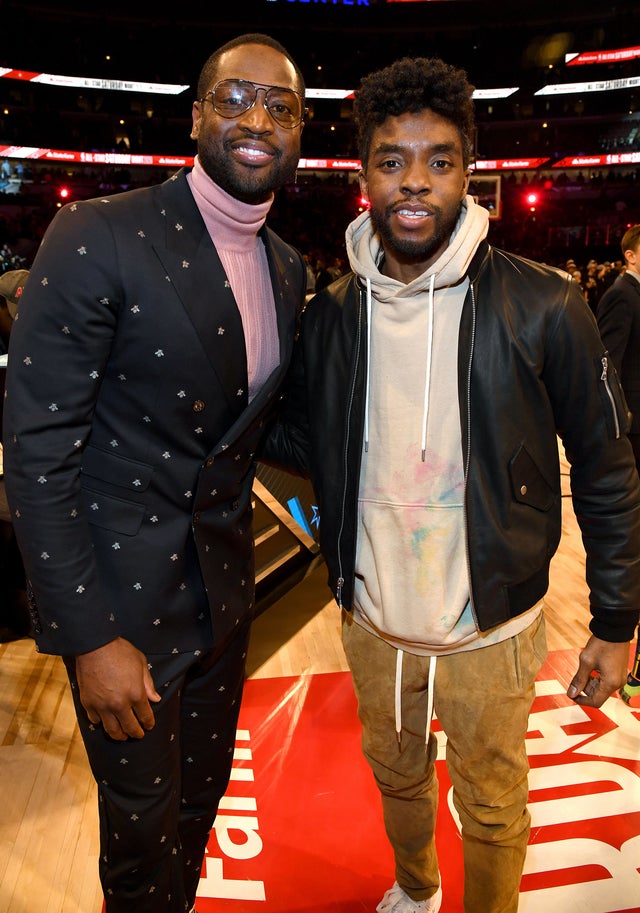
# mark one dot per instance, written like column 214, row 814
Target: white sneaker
column 398, row 901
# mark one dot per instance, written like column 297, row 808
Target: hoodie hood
column 364, row 250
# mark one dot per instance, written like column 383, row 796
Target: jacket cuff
column 614, row 625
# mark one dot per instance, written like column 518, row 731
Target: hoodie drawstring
column 427, row 383
column 366, row 394
column 398, row 696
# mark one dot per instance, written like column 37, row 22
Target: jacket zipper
column 467, row 460
column 604, row 377
column 340, row 581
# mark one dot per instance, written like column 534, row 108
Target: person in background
column 12, row 285
column 426, row 395
column 618, row 318
column 156, row 329
column 591, row 285
column 311, row 276
column 14, row 615
column 329, row 271
column 323, row 275
column 630, row 691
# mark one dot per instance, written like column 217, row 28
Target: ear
column 196, row 118
column 465, row 183
column 364, row 187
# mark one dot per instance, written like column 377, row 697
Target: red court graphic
column 300, row 827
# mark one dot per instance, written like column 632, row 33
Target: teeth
column 412, row 214
column 246, row 151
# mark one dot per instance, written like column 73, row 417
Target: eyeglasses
column 232, row 97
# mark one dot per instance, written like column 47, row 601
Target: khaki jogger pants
column 482, row 699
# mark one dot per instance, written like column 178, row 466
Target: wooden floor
column 48, row 813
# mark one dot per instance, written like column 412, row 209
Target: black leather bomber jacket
column 531, row 368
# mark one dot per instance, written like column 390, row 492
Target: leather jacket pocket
column 616, row 411
column 527, row 482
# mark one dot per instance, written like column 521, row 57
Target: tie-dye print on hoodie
column 411, row 572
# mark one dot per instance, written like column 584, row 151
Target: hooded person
column 425, row 399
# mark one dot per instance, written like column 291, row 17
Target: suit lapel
column 192, row 265
column 284, row 292
column 194, row 269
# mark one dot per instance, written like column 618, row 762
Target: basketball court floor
column 299, row 829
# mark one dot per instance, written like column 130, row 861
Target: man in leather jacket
column 425, row 400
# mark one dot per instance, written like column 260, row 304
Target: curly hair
column 410, row 85
column 208, row 73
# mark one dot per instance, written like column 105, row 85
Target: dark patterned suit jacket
column 129, row 438
column 618, row 316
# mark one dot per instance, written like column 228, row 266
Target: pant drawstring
column 398, row 696
column 430, row 686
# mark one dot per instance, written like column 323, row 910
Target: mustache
column 247, row 136
column 415, row 203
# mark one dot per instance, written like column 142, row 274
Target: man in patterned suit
column 149, row 349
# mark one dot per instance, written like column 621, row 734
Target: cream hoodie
column 411, row 571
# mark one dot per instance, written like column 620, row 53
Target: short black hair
column 410, row 85
column 207, row 74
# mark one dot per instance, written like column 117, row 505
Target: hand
column 602, row 670
column 115, row 688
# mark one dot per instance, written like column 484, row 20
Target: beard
column 250, row 185
column 412, row 251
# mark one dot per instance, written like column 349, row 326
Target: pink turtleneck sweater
column 233, row 227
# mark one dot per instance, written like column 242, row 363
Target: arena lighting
column 591, row 57
column 520, row 164
column 483, row 94
column 43, row 154
column 594, row 161
column 161, row 88
column 88, row 82
column 334, row 2
column 330, row 164
column 606, row 85
column 329, row 93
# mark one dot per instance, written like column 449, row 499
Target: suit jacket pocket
column 115, row 469
column 112, row 513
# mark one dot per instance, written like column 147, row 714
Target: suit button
column 235, row 505
column 198, row 406
column 209, row 462
column 196, row 516
column 523, row 489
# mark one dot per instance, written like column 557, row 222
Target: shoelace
column 394, row 894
